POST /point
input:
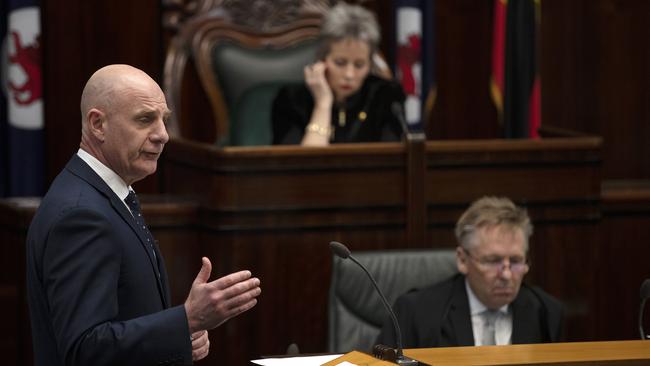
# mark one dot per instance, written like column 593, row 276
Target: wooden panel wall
column 78, row 38
column 596, row 77
column 626, row 239
column 15, row 335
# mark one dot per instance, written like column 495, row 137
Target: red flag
column 515, row 85
column 535, row 109
column 497, row 86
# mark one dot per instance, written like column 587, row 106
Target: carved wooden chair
column 241, row 52
column 240, row 59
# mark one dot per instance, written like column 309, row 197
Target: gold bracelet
column 322, row 131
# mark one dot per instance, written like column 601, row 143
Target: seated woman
column 340, row 100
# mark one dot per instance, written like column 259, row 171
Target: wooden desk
column 274, row 209
column 383, row 184
column 358, row 358
column 616, row 353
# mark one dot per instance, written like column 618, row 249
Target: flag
column 22, row 146
column 4, row 177
column 497, row 79
column 515, row 84
column 414, row 66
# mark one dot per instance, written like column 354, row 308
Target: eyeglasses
column 516, row 265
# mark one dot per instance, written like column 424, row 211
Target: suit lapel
column 119, row 206
column 457, row 327
column 525, row 323
column 79, row 168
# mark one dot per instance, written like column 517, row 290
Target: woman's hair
column 348, row 21
column 490, row 212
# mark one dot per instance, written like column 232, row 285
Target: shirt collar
column 476, row 306
column 114, row 182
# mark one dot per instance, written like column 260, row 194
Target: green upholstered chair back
column 241, row 68
column 240, row 53
column 249, row 79
column 355, row 311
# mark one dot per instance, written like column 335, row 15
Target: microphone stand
column 645, row 294
column 381, row 352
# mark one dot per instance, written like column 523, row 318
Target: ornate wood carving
column 260, row 14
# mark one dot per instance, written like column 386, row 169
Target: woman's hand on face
column 317, row 83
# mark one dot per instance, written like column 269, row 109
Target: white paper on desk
column 296, row 361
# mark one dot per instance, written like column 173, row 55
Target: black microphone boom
column 645, row 294
column 342, row 251
column 339, row 249
column 398, row 111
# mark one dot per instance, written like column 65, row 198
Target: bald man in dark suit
column 96, row 282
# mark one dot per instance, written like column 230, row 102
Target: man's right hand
column 210, row 304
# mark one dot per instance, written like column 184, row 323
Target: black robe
column 368, row 116
column 439, row 316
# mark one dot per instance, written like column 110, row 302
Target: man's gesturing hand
column 200, row 345
column 210, row 304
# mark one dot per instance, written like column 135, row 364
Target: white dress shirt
column 503, row 325
column 111, row 178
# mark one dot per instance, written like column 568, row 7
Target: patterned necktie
column 489, row 325
column 132, row 201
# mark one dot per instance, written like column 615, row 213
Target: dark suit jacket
column 93, row 291
column 439, row 316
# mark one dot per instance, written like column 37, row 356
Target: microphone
column 293, row 350
column 343, row 252
column 645, row 294
column 398, row 111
